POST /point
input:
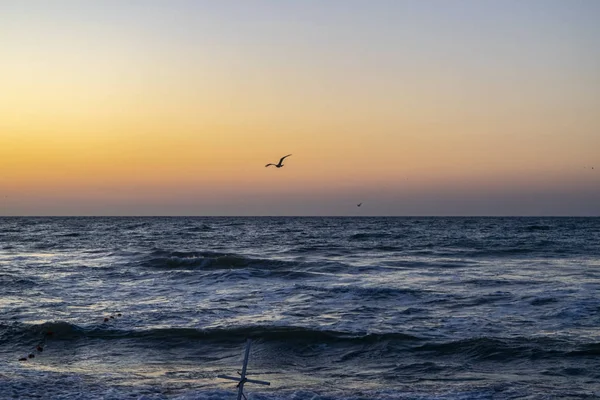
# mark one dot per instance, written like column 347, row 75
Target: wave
column 202, row 260
column 203, row 228
column 543, row 249
column 13, row 282
column 534, row 228
column 71, row 234
column 393, row 352
column 540, row 301
column 371, row 293
column 478, row 348
column 258, row 267
column 590, row 349
column 61, row 330
column 502, row 349
column 369, row 236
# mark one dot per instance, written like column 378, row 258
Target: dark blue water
column 338, row 308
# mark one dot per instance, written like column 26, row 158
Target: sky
column 412, row 107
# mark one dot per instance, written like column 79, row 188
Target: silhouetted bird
column 359, row 204
column 280, row 164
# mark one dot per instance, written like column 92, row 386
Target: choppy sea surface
column 337, row 308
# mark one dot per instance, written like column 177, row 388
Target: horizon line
column 299, row 216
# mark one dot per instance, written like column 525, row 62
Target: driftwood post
column 242, row 379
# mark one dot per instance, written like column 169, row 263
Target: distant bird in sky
column 359, row 204
column 280, row 164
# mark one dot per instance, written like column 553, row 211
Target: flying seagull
column 280, row 164
column 359, row 204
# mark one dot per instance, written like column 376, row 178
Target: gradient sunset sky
column 412, row 107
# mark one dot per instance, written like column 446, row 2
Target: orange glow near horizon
column 160, row 113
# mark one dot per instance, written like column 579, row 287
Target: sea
column 153, row 308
